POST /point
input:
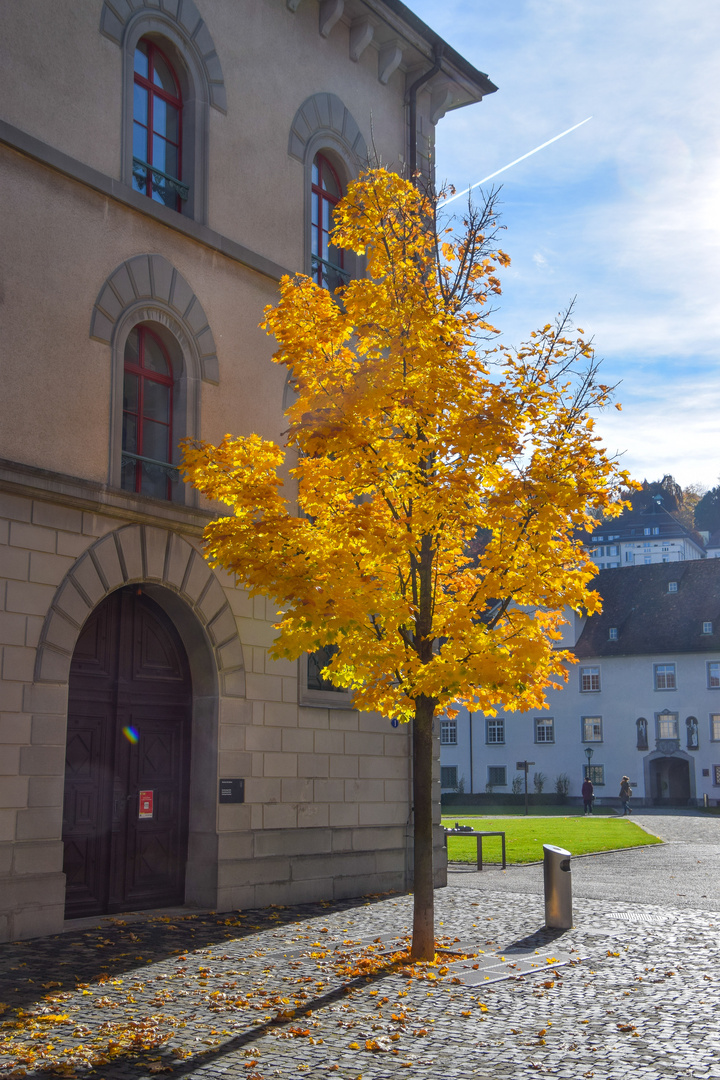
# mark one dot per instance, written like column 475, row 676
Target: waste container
column 558, row 887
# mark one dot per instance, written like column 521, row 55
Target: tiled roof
column 651, row 619
column 632, row 525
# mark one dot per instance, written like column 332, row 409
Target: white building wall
column 627, row 693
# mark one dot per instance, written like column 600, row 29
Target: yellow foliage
column 437, row 485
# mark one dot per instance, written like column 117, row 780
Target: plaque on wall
column 232, row 791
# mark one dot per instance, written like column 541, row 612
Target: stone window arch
column 324, row 126
column 147, row 291
column 180, row 32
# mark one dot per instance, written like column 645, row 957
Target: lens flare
column 131, row 734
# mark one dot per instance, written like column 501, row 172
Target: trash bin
column 558, row 887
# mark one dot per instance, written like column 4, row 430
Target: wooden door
column 128, row 733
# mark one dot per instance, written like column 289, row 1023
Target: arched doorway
column 670, row 781
column 125, row 811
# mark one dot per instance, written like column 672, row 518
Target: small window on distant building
column 589, row 679
column 495, row 730
column 713, row 675
column 665, row 677
column 612, row 549
column 667, row 725
column 497, row 775
column 646, row 532
column 448, row 732
column 595, row 774
column 448, row 777
column 613, row 633
column 672, row 586
column 544, row 729
column 647, row 560
column 707, row 628
column 656, row 531
column 592, row 728
column 715, row 727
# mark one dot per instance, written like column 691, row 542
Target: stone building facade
column 163, row 163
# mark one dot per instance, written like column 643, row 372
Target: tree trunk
column 423, row 941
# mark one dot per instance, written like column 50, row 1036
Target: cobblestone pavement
column 631, row 991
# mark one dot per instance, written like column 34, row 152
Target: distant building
column 712, row 547
column 644, row 698
column 643, row 537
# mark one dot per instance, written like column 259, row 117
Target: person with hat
column 588, row 795
column 625, row 794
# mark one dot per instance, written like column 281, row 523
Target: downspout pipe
column 411, row 99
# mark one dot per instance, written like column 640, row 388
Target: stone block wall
column 327, row 790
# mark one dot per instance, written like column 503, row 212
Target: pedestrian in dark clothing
column 587, row 794
column 625, row 794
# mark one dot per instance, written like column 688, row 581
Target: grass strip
column 524, row 837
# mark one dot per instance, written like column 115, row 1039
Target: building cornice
column 27, row 480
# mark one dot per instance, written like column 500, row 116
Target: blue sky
column 623, row 213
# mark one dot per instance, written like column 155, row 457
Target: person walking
column 625, row 794
column 588, row 795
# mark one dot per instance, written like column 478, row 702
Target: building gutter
column 411, row 101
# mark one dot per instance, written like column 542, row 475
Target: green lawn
column 525, row 836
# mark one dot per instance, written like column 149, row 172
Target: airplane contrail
column 515, row 162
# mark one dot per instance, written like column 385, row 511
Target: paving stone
column 631, row 990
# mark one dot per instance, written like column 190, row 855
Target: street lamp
column 588, row 755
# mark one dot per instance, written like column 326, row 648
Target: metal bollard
column 558, row 887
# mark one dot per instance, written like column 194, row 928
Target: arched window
column 327, row 261
column 157, row 127
column 147, row 416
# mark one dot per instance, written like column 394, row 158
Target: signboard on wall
column 232, row 791
column 145, row 804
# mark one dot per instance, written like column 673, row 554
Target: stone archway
column 173, row 573
column 670, row 781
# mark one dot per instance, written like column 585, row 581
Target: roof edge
column 477, row 78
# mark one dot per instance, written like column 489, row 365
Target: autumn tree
column 406, row 440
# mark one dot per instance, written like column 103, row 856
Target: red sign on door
column 146, row 804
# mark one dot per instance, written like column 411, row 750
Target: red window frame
column 145, row 375
column 320, row 236
column 153, row 93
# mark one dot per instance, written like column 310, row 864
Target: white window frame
column 664, row 678
column 546, row 726
column 448, row 732
column 594, row 734
column 714, row 727
column 497, row 724
column 663, row 721
column 713, row 679
column 590, row 673
column 707, row 628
